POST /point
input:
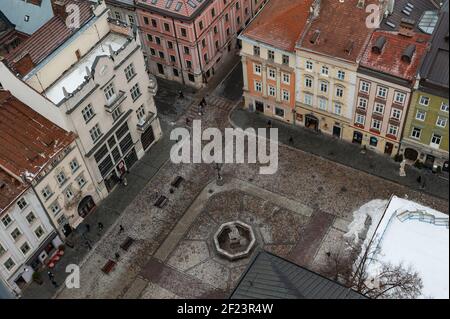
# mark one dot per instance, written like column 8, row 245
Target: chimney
column 24, row 64
column 361, row 4
column 315, row 9
column 407, row 27
column 59, row 9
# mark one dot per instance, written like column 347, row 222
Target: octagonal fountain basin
column 234, row 240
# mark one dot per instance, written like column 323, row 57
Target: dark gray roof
column 435, row 69
column 419, row 7
column 272, row 277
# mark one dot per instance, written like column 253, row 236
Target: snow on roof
column 75, row 76
column 412, row 234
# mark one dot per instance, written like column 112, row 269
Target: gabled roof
column 339, row 30
column 271, row 277
column 391, row 59
column 280, row 24
column 48, row 38
column 28, row 141
column 435, row 69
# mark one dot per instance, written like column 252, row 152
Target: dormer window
column 408, row 53
column 378, row 46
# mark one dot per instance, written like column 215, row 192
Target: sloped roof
column 389, row 61
column 28, row 141
column 38, row 13
column 49, row 37
column 280, row 24
column 340, row 30
column 271, row 277
column 10, row 190
column 182, row 9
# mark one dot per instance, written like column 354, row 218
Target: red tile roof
column 10, row 189
column 48, row 38
column 28, row 141
column 280, row 23
column 389, row 61
column 341, row 29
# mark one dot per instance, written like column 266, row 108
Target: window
column 424, row 100
column 116, row 113
column 256, row 50
column 30, row 218
column 286, row 95
column 341, row 75
column 109, row 92
column 373, row 141
column 400, row 98
column 444, row 107
column 376, row 124
column 25, row 248
column 88, row 113
column 382, row 92
column 308, row 99
column 69, row 193
column 6, row 220
column 81, row 181
column 393, row 130
column 337, row 108
column 323, row 104
column 272, row 74
column 364, row 87
column 74, row 166
column 279, row 112
column 325, row 70
column 416, row 132
column 396, row 114
column 272, row 91
column 309, row 65
column 39, row 232
column 258, row 86
column 362, row 103
column 55, row 208
column 339, row 91
column 271, row 55
column 9, row 264
column 61, row 178
column 129, row 72
column 46, row 192
column 187, row 50
column 360, row 119
column 257, row 69
column 22, row 203
column 379, row 108
column 135, row 92
column 117, row 15
column 2, row 250
column 436, row 140
column 166, row 27
column 324, row 87
column 140, row 113
column 95, row 133
column 16, row 233
column 286, row 78
column 131, row 20
column 308, row 82
column 441, row 122
column 154, row 23
column 170, row 44
column 421, row 115
column 285, row 59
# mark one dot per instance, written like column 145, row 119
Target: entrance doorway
column 411, row 154
column 131, row 159
column 147, row 138
column 259, row 106
column 312, row 122
column 388, row 148
column 429, row 161
column 111, row 181
column 337, row 131
column 445, row 166
column 86, row 206
column 357, row 137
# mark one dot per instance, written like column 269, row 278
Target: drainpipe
column 178, row 51
column 199, row 55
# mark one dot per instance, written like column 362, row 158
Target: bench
column 109, row 266
column 177, row 182
column 161, row 202
column 127, row 243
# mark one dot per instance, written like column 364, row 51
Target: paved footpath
column 345, row 153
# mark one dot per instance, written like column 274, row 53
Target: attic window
column 26, row 18
column 379, row 45
column 315, row 37
column 48, row 141
column 408, row 53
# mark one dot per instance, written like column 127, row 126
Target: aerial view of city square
column 244, row 151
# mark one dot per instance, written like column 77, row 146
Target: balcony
column 115, row 102
column 145, row 122
column 152, row 84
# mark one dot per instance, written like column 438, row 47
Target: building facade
column 95, row 84
column 124, row 11
column 188, row 41
column 426, row 135
column 268, row 58
column 27, row 237
column 385, row 80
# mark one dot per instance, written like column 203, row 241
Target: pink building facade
column 188, row 40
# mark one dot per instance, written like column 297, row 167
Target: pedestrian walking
column 51, row 276
column 419, row 179
column 203, row 102
column 88, row 245
column 423, row 184
column 180, row 94
column 88, row 228
column 121, row 229
column 269, row 124
column 54, row 283
column 187, row 121
column 291, row 140
column 100, row 226
column 117, row 255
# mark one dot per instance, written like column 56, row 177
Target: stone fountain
column 234, row 240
